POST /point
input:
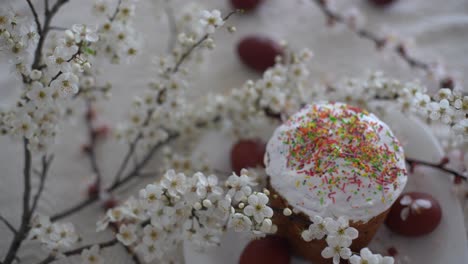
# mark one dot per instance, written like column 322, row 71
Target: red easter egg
column 414, row 214
column 268, row 250
column 259, row 52
column 247, row 153
column 382, row 2
column 246, row 5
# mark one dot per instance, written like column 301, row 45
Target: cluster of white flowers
column 48, row 87
column 118, row 39
column 448, row 106
column 195, row 208
column 163, row 108
column 339, row 236
column 280, row 92
column 92, row 255
column 187, row 164
column 55, row 237
column 18, row 37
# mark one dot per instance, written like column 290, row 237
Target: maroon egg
column 259, row 52
column 246, row 5
column 414, row 214
column 382, row 2
column 247, row 153
column 268, row 250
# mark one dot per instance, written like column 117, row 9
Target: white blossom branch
column 400, row 50
column 77, row 251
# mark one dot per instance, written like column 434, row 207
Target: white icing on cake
column 331, row 159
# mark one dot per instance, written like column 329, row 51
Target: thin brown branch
column 91, row 153
column 46, row 162
column 9, row 225
column 57, row 28
column 189, row 51
column 49, row 15
column 335, row 17
column 171, row 21
column 46, row 7
column 77, row 251
column 36, row 17
column 116, row 12
column 439, row 166
column 26, row 216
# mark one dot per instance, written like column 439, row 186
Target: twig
column 171, row 21
column 77, row 251
column 9, row 225
column 137, row 169
column 46, row 7
column 74, row 56
column 440, row 166
column 91, row 153
column 49, row 14
column 117, row 10
column 57, row 28
column 335, row 17
column 26, row 217
column 46, row 162
column 36, row 17
column 198, row 43
column 135, row 258
column 74, row 208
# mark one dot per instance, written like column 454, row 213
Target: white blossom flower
column 444, row 93
column 461, row 103
column 240, row 222
column 150, row 252
column 24, row 126
column 258, row 207
column 173, row 182
column 240, row 187
column 39, row 94
column 211, row 20
column 461, row 127
column 127, row 234
column 85, row 33
column 208, row 187
column 337, row 249
column 207, row 237
column 58, row 61
column 115, row 214
column 191, row 194
column 223, row 208
column 35, row 75
column 152, row 234
column 341, row 229
column 151, row 196
column 422, row 102
column 64, row 235
column 66, row 84
column 365, row 257
column 316, row 230
column 91, row 255
column 385, row 260
column 266, row 226
column 134, row 209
